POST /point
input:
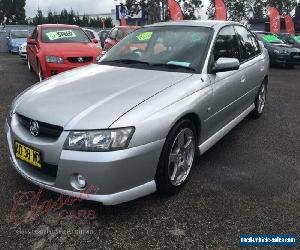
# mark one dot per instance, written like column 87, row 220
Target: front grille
column 83, row 59
column 45, row 129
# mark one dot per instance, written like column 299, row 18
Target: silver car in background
column 134, row 123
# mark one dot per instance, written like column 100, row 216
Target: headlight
column 99, row 140
column 54, row 59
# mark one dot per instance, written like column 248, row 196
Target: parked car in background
column 93, row 35
column 116, row 34
column 135, row 122
column 23, row 51
column 290, row 39
column 15, row 39
column 103, row 34
column 55, row 48
column 281, row 54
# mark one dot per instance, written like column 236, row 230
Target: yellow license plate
column 28, row 155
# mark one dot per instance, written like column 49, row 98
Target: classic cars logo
column 34, row 128
column 80, row 59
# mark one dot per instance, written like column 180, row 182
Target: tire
column 176, row 162
column 40, row 72
column 29, row 66
column 260, row 100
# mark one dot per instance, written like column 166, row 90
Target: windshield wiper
column 127, row 61
column 173, row 66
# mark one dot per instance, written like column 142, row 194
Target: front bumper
column 23, row 54
column 56, row 68
column 289, row 59
column 119, row 176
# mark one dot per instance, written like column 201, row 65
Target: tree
column 191, row 8
column 237, row 10
column 284, row 7
column 13, row 10
column 39, row 18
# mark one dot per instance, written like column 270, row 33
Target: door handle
column 243, row 79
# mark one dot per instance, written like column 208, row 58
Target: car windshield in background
column 269, row 38
column 297, row 39
column 19, row 34
column 64, row 35
column 90, row 34
column 173, row 48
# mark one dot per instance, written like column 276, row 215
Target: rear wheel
column 177, row 158
column 260, row 100
column 40, row 72
column 29, row 65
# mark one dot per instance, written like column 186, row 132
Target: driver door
column 227, row 86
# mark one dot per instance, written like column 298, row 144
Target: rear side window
column 249, row 45
column 120, row 34
column 226, row 44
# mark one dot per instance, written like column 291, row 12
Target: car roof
column 197, row 23
column 58, row 26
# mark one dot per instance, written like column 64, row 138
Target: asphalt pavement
column 248, row 183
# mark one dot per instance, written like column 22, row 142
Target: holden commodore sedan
column 134, row 123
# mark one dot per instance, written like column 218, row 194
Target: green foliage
column 70, row 17
column 13, row 10
column 154, row 8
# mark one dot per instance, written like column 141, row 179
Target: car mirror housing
column 95, row 41
column 226, row 64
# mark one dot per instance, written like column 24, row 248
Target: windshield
column 269, row 38
column 176, row 47
column 19, row 34
column 64, row 35
column 297, row 39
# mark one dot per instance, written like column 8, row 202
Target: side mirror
column 226, row 64
column 94, row 40
column 31, row 41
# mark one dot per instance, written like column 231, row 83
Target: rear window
column 64, row 35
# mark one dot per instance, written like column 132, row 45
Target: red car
column 116, row 34
column 55, row 48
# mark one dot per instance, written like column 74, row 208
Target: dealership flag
column 175, row 10
column 123, row 21
column 274, row 20
column 289, row 25
column 221, row 12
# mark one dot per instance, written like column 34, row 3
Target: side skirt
column 225, row 130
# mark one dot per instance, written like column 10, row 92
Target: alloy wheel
column 262, row 99
column 181, row 156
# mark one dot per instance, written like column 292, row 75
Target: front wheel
column 260, row 101
column 177, row 158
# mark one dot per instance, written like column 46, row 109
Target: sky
column 82, row 6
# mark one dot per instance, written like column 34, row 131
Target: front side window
column 90, row 34
column 166, row 47
column 226, row 44
column 64, row 35
column 249, row 45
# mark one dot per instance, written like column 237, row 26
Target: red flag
column 221, row 12
column 175, row 10
column 274, row 20
column 289, row 25
column 123, row 21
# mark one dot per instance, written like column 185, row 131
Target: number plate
column 28, row 155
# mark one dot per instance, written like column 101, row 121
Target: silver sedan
column 134, row 123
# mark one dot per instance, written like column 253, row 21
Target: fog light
column 78, row 181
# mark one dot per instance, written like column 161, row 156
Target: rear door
column 252, row 62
